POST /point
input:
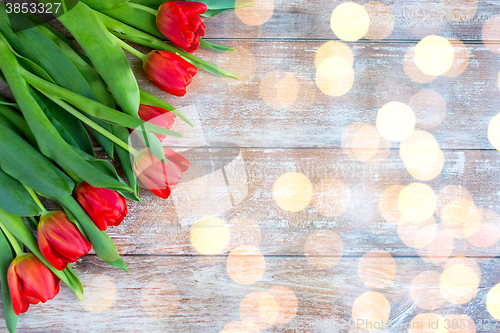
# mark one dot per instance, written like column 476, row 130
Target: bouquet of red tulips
column 61, row 98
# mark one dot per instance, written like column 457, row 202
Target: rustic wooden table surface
column 307, row 208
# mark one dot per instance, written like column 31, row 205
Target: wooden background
column 275, row 121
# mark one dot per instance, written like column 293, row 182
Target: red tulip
column 169, row 72
column 105, row 207
column 156, row 176
column 30, row 282
column 157, row 116
column 179, row 21
column 59, row 239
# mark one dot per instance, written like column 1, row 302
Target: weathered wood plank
column 413, row 20
column 184, row 294
column 269, row 109
column 163, row 227
column 300, row 19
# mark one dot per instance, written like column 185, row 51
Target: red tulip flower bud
column 59, row 239
column 156, row 176
column 169, row 72
column 104, row 206
column 30, row 282
column 157, row 116
column 179, row 21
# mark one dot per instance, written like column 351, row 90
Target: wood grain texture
column 240, row 115
column 162, row 227
column 301, row 19
column 249, row 133
column 208, row 299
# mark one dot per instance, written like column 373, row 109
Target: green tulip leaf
column 124, row 156
column 106, row 55
column 35, row 45
column 70, row 273
column 150, row 99
column 94, row 108
column 5, row 101
column 99, row 4
column 215, row 47
column 14, row 198
column 49, row 141
column 15, row 118
column 135, row 17
column 17, row 158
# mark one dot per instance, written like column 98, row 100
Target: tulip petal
column 156, row 176
column 179, row 21
column 18, row 304
column 105, row 207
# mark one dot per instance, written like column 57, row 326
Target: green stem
column 130, row 49
column 92, row 107
column 93, row 125
column 33, row 222
column 35, row 198
column 143, row 8
column 12, row 239
column 75, row 178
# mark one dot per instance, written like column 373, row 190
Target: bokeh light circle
column 245, row 264
column 460, row 218
column 395, row 121
column 460, row 58
column 388, row 204
column 333, row 49
column 100, row 292
column 422, row 156
column 381, row 20
column 362, row 142
column 279, row 89
column 493, row 302
column 334, row 76
column 293, row 191
column 491, row 33
column 259, row 309
column 417, row 202
column 429, row 107
column 450, row 193
column 411, row 69
column 494, row 132
column 418, row 234
column 257, row 14
column 287, row 302
column 434, row 55
column 459, row 284
column 440, row 248
column 370, row 307
column 350, row 21
column 421, row 323
column 488, row 232
column 209, row 235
